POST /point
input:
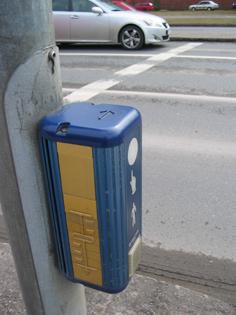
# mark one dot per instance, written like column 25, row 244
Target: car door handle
column 74, row 16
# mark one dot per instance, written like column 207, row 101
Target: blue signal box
column 92, row 157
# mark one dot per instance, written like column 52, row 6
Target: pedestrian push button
column 92, row 157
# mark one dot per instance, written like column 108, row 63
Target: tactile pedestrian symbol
column 133, row 215
column 133, row 183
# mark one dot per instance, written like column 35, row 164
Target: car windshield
column 107, row 5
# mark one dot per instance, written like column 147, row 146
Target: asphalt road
column 186, row 94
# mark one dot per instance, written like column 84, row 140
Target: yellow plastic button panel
column 77, row 177
column 76, row 166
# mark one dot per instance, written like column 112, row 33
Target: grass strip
column 198, row 18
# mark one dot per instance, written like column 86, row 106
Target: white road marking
column 106, row 54
column 176, row 96
column 216, row 50
column 194, row 97
column 205, row 57
column 183, row 48
column 68, row 90
column 189, row 145
column 154, row 55
column 136, row 68
column 90, row 90
column 154, row 60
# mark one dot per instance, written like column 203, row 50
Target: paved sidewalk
column 148, row 296
column 10, row 296
column 144, row 296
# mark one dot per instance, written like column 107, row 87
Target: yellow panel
column 76, row 167
column 91, row 247
column 77, row 176
column 78, row 204
column 76, row 150
column 94, row 259
column 90, row 275
column 86, row 263
column 91, row 240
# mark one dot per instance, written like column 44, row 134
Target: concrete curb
column 216, row 277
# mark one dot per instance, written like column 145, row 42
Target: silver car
column 204, row 5
column 94, row 21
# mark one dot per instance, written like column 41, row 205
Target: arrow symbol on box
column 105, row 113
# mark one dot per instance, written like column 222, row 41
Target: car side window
column 82, row 5
column 60, row 5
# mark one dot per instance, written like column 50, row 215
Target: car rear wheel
column 131, row 37
column 193, row 9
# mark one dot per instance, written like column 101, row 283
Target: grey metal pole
column 30, row 87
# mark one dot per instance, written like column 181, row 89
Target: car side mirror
column 97, row 10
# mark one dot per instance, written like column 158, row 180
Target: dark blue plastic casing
column 114, row 134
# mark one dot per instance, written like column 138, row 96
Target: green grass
column 217, row 17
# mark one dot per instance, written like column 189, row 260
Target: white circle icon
column 132, row 151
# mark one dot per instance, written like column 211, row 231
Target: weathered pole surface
column 30, row 87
